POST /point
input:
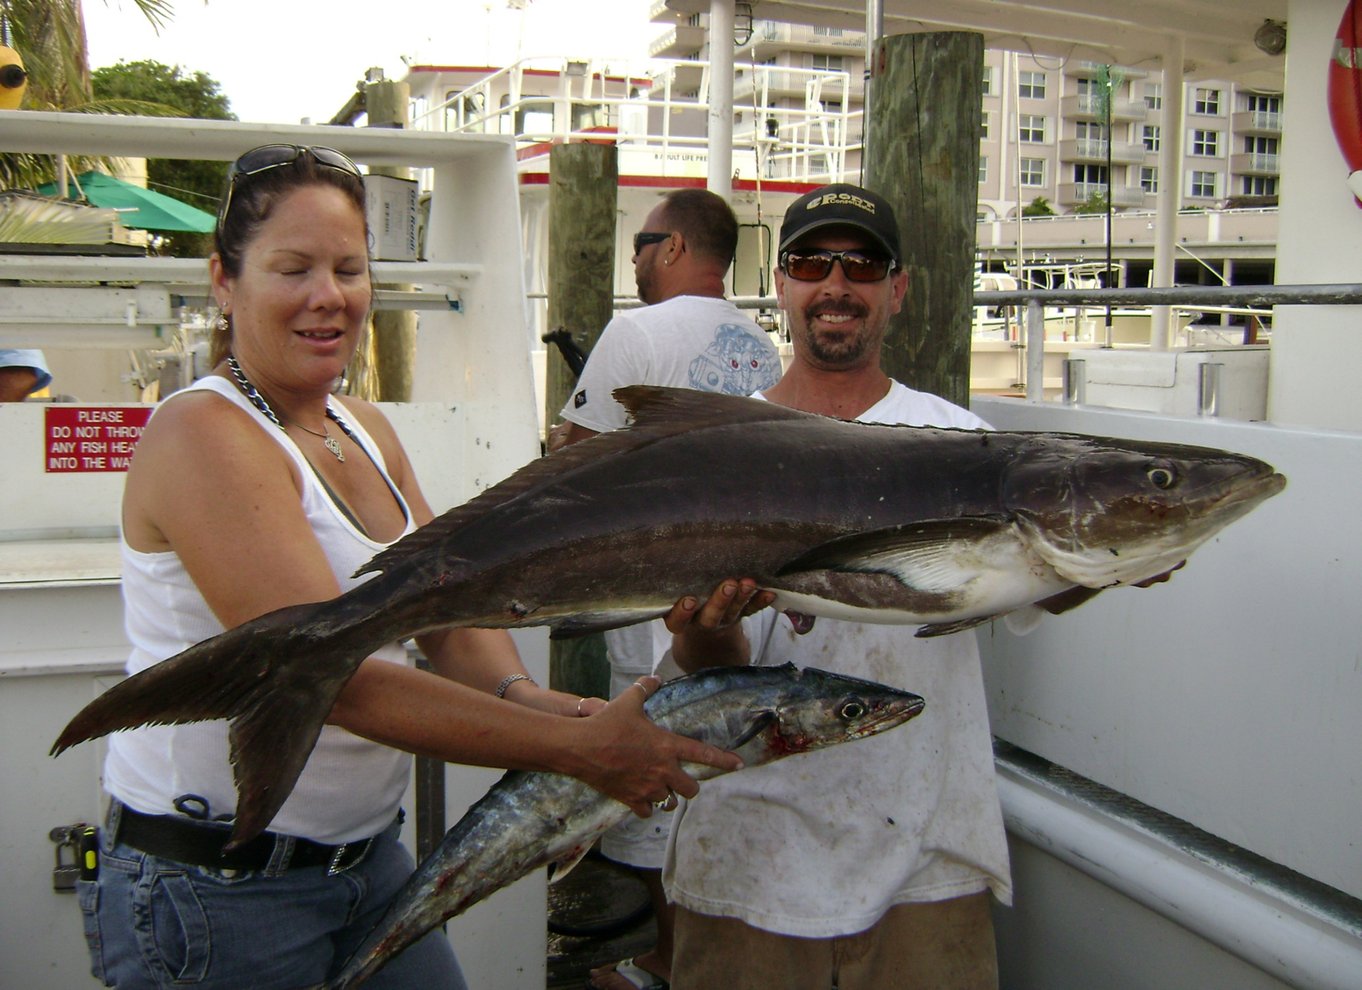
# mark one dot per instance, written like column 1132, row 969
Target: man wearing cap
column 22, row 372
column 862, row 866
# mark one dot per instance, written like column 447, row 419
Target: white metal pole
column 720, row 128
column 1170, row 189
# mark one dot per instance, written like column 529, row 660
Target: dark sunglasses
column 645, row 237
column 814, row 266
column 269, row 156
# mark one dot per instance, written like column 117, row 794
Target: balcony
column 1257, row 122
column 1122, row 197
column 1084, row 69
column 1256, row 163
column 773, row 38
column 1094, row 150
column 774, row 82
column 678, row 42
column 1086, row 106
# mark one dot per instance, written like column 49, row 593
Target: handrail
column 1181, row 295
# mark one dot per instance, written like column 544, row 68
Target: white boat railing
column 660, row 106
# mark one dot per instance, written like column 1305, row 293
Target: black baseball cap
column 842, row 205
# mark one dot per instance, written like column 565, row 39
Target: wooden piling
column 583, row 192
column 394, row 338
column 922, row 155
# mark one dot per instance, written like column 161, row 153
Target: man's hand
column 710, row 633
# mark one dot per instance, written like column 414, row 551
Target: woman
column 257, row 488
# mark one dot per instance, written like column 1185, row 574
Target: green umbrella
column 144, row 209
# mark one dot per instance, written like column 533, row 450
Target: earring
column 222, row 324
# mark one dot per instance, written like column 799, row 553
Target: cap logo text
column 847, row 199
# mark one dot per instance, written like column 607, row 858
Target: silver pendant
column 333, row 445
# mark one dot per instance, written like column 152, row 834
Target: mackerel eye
column 1161, row 477
column 852, row 709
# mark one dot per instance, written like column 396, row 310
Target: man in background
column 22, row 372
column 688, row 336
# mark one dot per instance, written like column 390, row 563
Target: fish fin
column 217, row 678
column 562, row 867
column 659, row 413
column 263, row 676
column 680, row 410
column 270, row 745
column 1025, row 620
column 585, row 623
column 924, row 555
column 1068, row 599
column 946, row 628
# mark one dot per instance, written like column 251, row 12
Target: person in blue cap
column 22, row 372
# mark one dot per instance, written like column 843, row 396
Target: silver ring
column 667, row 802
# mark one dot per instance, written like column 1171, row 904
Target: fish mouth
column 893, row 713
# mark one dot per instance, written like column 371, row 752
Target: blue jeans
column 157, row 923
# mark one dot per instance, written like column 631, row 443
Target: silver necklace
column 258, row 400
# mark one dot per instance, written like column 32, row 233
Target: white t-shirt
column 823, row 844
column 694, row 342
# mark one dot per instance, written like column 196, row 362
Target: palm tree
column 50, row 37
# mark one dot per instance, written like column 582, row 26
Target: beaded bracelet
column 510, row 679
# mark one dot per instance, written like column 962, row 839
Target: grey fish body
column 937, row 527
column 528, row 820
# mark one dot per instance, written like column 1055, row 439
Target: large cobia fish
column 528, row 820
column 942, row 528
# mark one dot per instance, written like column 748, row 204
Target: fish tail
column 276, row 677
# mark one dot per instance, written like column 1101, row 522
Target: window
column 1151, row 137
column 1202, row 185
column 984, row 119
column 832, row 63
column 1031, row 128
column 1254, row 145
column 1031, row 85
column 988, row 80
column 1262, row 103
column 1153, row 96
column 1260, row 185
column 1094, row 175
column 983, row 170
column 1206, row 101
column 827, row 32
column 1206, row 144
column 1149, row 178
column 1088, row 131
column 1032, row 171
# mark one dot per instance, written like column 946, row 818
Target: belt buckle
column 335, row 867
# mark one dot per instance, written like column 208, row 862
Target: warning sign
column 92, row 438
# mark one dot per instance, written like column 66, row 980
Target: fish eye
column 1161, row 477
column 852, row 708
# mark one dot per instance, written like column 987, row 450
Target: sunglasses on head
column 645, row 237
column 814, row 266
column 269, row 156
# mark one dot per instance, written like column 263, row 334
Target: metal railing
column 659, row 106
column 1178, row 297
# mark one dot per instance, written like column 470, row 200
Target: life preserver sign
column 1345, row 94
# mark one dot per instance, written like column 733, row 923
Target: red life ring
column 1345, row 94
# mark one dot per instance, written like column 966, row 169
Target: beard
column 835, row 348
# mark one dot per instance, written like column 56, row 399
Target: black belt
column 184, row 840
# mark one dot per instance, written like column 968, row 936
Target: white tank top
column 351, row 787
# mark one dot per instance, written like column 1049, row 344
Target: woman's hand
column 637, row 763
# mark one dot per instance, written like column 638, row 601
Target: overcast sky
column 280, row 61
